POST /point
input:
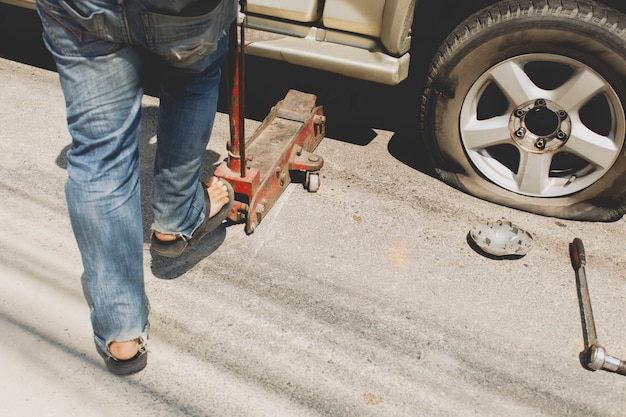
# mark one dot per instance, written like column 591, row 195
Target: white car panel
column 396, row 26
column 353, row 62
column 297, row 10
column 364, row 17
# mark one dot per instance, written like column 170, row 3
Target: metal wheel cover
column 533, row 173
column 502, row 238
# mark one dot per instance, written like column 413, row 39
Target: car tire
column 523, row 106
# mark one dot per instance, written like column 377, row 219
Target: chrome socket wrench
column 594, row 356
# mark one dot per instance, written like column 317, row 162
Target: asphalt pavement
column 363, row 299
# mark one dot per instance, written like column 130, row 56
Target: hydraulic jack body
column 279, row 151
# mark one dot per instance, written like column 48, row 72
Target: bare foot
column 218, row 195
column 164, row 237
column 124, row 350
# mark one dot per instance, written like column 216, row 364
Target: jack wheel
column 312, row 182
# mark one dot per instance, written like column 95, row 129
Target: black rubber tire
column 586, row 31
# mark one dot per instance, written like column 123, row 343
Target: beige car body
column 368, row 39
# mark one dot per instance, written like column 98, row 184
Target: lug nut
column 540, row 144
column 521, row 132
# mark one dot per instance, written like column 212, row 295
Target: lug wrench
column 594, row 356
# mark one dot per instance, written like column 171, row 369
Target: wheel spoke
column 578, row 90
column 596, row 149
column 480, row 134
column 533, row 176
column 514, row 83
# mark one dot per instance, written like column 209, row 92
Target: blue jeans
column 100, row 48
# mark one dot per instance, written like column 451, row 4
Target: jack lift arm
column 278, row 152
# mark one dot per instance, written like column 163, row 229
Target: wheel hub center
column 541, row 121
column 540, row 126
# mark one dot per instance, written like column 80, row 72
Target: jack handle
column 235, row 71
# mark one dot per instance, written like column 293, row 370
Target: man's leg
column 186, row 115
column 102, row 87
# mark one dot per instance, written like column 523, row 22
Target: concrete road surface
column 363, row 299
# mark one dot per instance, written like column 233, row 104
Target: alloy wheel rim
column 546, row 133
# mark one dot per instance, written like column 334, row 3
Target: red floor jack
column 278, row 153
